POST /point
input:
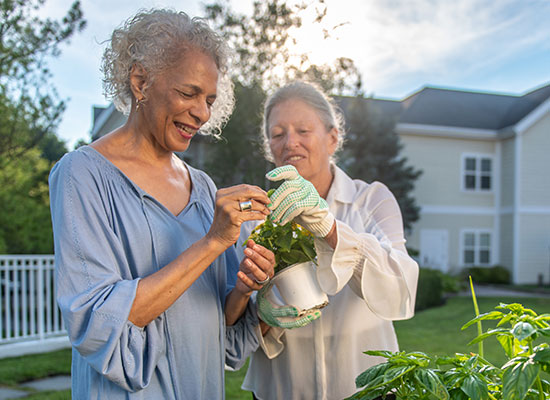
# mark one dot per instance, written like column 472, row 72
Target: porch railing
column 28, row 310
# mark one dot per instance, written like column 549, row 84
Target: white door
column 434, row 249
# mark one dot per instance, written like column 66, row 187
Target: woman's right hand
column 228, row 216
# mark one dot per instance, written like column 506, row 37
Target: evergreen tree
column 372, row 153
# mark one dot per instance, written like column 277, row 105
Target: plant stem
column 476, row 309
column 539, row 386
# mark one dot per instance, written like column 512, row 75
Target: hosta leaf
column 522, row 330
column 518, row 379
column 432, row 383
column 475, row 387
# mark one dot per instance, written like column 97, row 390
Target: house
column 484, row 192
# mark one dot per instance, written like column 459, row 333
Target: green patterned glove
column 298, row 199
column 287, row 317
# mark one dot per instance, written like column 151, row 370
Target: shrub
column 495, row 275
column 430, row 289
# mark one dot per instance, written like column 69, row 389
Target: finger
column 284, row 172
column 249, row 282
column 264, row 252
column 256, row 206
column 255, row 272
column 259, row 266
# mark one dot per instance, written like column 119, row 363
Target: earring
column 139, row 103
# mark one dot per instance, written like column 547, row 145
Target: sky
column 400, row 46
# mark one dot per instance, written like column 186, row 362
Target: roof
column 460, row 108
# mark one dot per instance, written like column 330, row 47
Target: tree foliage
column 30, row 111
column 264, row 45
column 372, row 153
column 30, row 108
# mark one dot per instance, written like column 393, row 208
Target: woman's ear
column 138, row 80
column 333, row 140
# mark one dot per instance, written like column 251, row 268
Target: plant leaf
column 509, row 344
column 475, row 387
column 542, row 356
column 432, row 383
column 517, row 379
column 370, row 375
column 522, row 330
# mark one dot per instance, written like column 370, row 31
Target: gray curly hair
column 329, row 113
column 155, row 39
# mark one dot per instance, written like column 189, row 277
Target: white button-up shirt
column 370, row 280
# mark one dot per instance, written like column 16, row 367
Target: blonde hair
column 156, row 39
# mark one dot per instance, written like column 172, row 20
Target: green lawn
column 435, row 331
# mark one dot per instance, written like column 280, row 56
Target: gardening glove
column 298, row 199
column 286, row 317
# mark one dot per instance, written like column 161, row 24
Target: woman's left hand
column 298, row 199
column 256, row 269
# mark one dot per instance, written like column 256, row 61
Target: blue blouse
column 109, row 233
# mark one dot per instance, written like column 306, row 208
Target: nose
column 200, row 111
column 291, row 139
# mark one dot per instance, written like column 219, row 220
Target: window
column 476, row 247
column 477, row 173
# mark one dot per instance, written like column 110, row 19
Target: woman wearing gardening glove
column 363, row 264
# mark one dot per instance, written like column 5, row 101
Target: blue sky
column 399, row 45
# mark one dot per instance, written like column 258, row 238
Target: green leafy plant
column 417, row 375
column 291, row 243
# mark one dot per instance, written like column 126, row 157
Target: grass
column 435, row 331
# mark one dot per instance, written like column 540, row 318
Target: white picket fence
column 30, row 320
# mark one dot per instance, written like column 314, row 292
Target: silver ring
column 264, row 281
column 245, row 205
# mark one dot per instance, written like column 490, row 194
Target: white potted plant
column 296, row 268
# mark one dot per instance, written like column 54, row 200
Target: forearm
column 158, row 291
column 235, row 304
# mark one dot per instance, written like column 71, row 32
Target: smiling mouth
column 184, row 129
column 294, row 158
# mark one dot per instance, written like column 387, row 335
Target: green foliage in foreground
column 523, row 337
column 434, row 331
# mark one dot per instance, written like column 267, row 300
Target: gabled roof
column 460, row 108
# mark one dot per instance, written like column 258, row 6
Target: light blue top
column 109, row 233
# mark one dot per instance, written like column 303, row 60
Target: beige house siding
column 454, row 224
column 441, row 161
column 507, row 241
column 534, row 242
column 535, row 165
column 507, row 173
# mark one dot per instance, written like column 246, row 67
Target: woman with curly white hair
column 151, row 292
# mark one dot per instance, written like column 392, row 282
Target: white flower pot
column 298, row 286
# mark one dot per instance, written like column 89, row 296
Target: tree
column 29, row 114
column 263, row 61
column 29, row 108
column 372, row 153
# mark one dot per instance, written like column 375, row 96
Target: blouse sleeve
column 93, row 297
column 241, row 338
column 374, row 262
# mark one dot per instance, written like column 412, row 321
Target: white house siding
column 454, row 224
column 535, row 165
column 115, row 120
column 535, row 249
column 440, row 159
column 507, row 172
